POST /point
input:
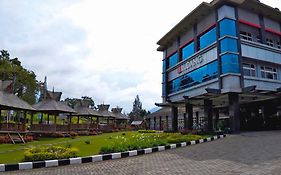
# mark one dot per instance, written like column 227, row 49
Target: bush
column 73, row 134
column 48, row 153
column 146, row 131
column 87, row 142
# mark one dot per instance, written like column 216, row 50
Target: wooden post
column 41, row 117
column 69, row 122
column 78, row 117
column 48, row 119
column 31, row 118
column 98, row 121
column 18, row 115
column 55, row 119
column 91, row 122
column 24, row 121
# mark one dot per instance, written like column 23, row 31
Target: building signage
column 190, row 64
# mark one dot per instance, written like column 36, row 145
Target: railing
column 12, row 127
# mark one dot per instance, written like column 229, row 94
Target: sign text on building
column 190, row 64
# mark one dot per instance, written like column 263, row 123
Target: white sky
column 105, row 49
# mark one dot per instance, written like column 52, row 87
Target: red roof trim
column 272, row 31
column 249, row 23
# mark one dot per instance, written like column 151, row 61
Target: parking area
column 247, row 153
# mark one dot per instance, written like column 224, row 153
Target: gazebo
column 110, row 117
column 9, row 101
column 82, row 110
column 52, row 105
column 121, row 120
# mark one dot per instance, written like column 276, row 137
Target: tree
column 137, row 113
column 25, row 85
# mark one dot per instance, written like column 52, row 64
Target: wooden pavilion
column 51, row 105
column 82, row 110
column 9, row 101
column 121, row 120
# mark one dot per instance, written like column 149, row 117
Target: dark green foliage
column 25, row 85
column 137, row 113
column 146, row 131
column 48, row 153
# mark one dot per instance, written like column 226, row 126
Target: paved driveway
column 248, row 153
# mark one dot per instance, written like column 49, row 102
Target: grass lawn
column 10, row 153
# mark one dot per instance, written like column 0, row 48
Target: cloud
column 103, row 49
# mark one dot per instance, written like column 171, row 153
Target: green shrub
column 146, row 131
column 48, row 153
column 87, row 142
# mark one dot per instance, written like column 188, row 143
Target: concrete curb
column 96, row 158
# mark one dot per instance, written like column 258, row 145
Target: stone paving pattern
column 253, row 153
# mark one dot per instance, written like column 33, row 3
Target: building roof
column 53, row 106
column 82, row 108
column 204, row 10
column 117, row 113
column 11, row 101
column 165, row 111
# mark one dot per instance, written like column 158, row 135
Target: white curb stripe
column 96, row 158
column 183, row 144
column 2, row 167
column 215, row 137
column 201, row 140
column 208, row 139
column 173, row 146
column 116, row 155
column 25, row 165
column 148, row 150
column 50, row 163
column 161, row 148
column 193, row 142
column 133, row 153
column 77, row 160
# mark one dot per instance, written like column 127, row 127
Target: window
column 278, row 45
column 258, row 39
column 208, row 38
column 228, row 45
column 268, row 72
column 246, row 36
column 200, row 75
column 187, row 51
column 173, row 60
column 249, row 70
column 269, row 42
column 230, row 63
column 164, row 65
column 227, row 28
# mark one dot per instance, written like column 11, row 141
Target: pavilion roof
column 9, row 100
column 82, row 109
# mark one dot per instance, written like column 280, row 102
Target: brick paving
column 253, row 153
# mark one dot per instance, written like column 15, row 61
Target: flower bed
column 48, row 153
column 144, row 140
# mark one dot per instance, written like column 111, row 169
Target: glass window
column 187, row 51
column 228, row 45
column 208, row 38
column 249, row 69
column 246, row 36
column 230, row 63
column 278, row 45
column 269, row 72
column 269, row 42
column 227, row 27
column 173, row 60
column 203, row 74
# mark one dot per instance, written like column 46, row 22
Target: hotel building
column 222, row 62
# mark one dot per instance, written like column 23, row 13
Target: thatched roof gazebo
column 51, row 104
column 9, row 101
column 82, row 110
